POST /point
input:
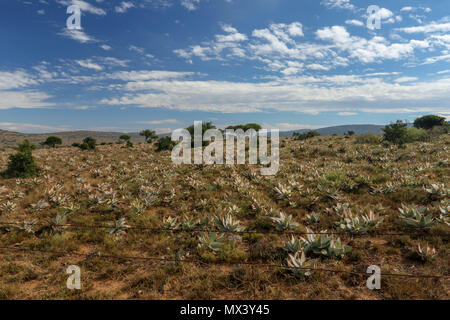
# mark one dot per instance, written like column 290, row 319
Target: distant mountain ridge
column 10, row 139
column 328, row 131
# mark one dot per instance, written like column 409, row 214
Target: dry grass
column 326, row 170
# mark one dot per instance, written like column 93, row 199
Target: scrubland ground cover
column 354, row 187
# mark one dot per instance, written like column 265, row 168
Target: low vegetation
column 337, row 203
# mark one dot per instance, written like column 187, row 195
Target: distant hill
column 9, row 139
column 328, row 131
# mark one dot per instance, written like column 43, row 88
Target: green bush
column 306, row 135
column 368, row 138
column 396, row 132
column 88, row 144
column 21, row 164
column 428, row 122
column 414, row 134
column 149, row 135
column 52, row 141
column 165, row 143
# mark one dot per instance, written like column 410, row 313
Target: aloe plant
column 211, row 240
column 119, row 227
column 169, row 223
column 426, row 252
column 336, row 249
column 294, row 245
column 283, row 192
column 414, row 217
column 299, row 266
column 284, row 222
column 313, row 218
column 315, row 243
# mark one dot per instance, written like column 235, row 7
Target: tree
column 350, row 133
column 21, row 164
column 52, row 142
column 245, row 127
column 149, row 135
column 396, row 132
column 125, row 137
column 428, row 122
column 88, row 144
column 165, row 143
column 306, row 135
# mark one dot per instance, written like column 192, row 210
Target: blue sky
column 162, row 64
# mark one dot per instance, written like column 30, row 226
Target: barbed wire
column 194, row 230
column 194, row 261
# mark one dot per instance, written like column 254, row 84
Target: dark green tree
column 21, row 164
column 428, row 122
column 52, row 141
column 396, row 132
column 165, row 143
column 88, row 144
column 149, row 135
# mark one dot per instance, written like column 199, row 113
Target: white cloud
column 346, row 113
column 77, row 35
column 429, row 28
column 124, row 6
column 32, row 128
column 355, row 23
column 190, row 4
column 338, row 4
column 89, row 64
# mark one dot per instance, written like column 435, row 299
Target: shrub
column 368, row 138
column 306, row 135
column 396, row 132
column 125, row 137
column 165, row 143
column 21, row 164
column 428, row 122
column 88, row 144
column 52, row 141
column 149, row 135
column 414, row 134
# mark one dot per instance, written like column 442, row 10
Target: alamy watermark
column 74, row 280
column 213, row 153
column 374, row 17
column 74, row 21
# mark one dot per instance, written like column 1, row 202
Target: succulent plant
column 298, row 265
column 211, row 240
column 119, row 227
column 7, row 206
column 294, row 245
column 313, row 218
column 426, row 253
column 315, row 243
column 414, row 217
column 283, row 192
column 437, row 191
column 283, row 222
column 189, row 223
column 169, row 223
column 227, row 223
column 336, row 249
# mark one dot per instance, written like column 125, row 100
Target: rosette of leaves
column 298, row 265
column 315, row 243
column 284, row 222
column 415, row 217
column 169, row 223
column 293, row 245
column 227, row 224
column 119, row 227
column 336, row 249
column 211, row 240
column 426, row 252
